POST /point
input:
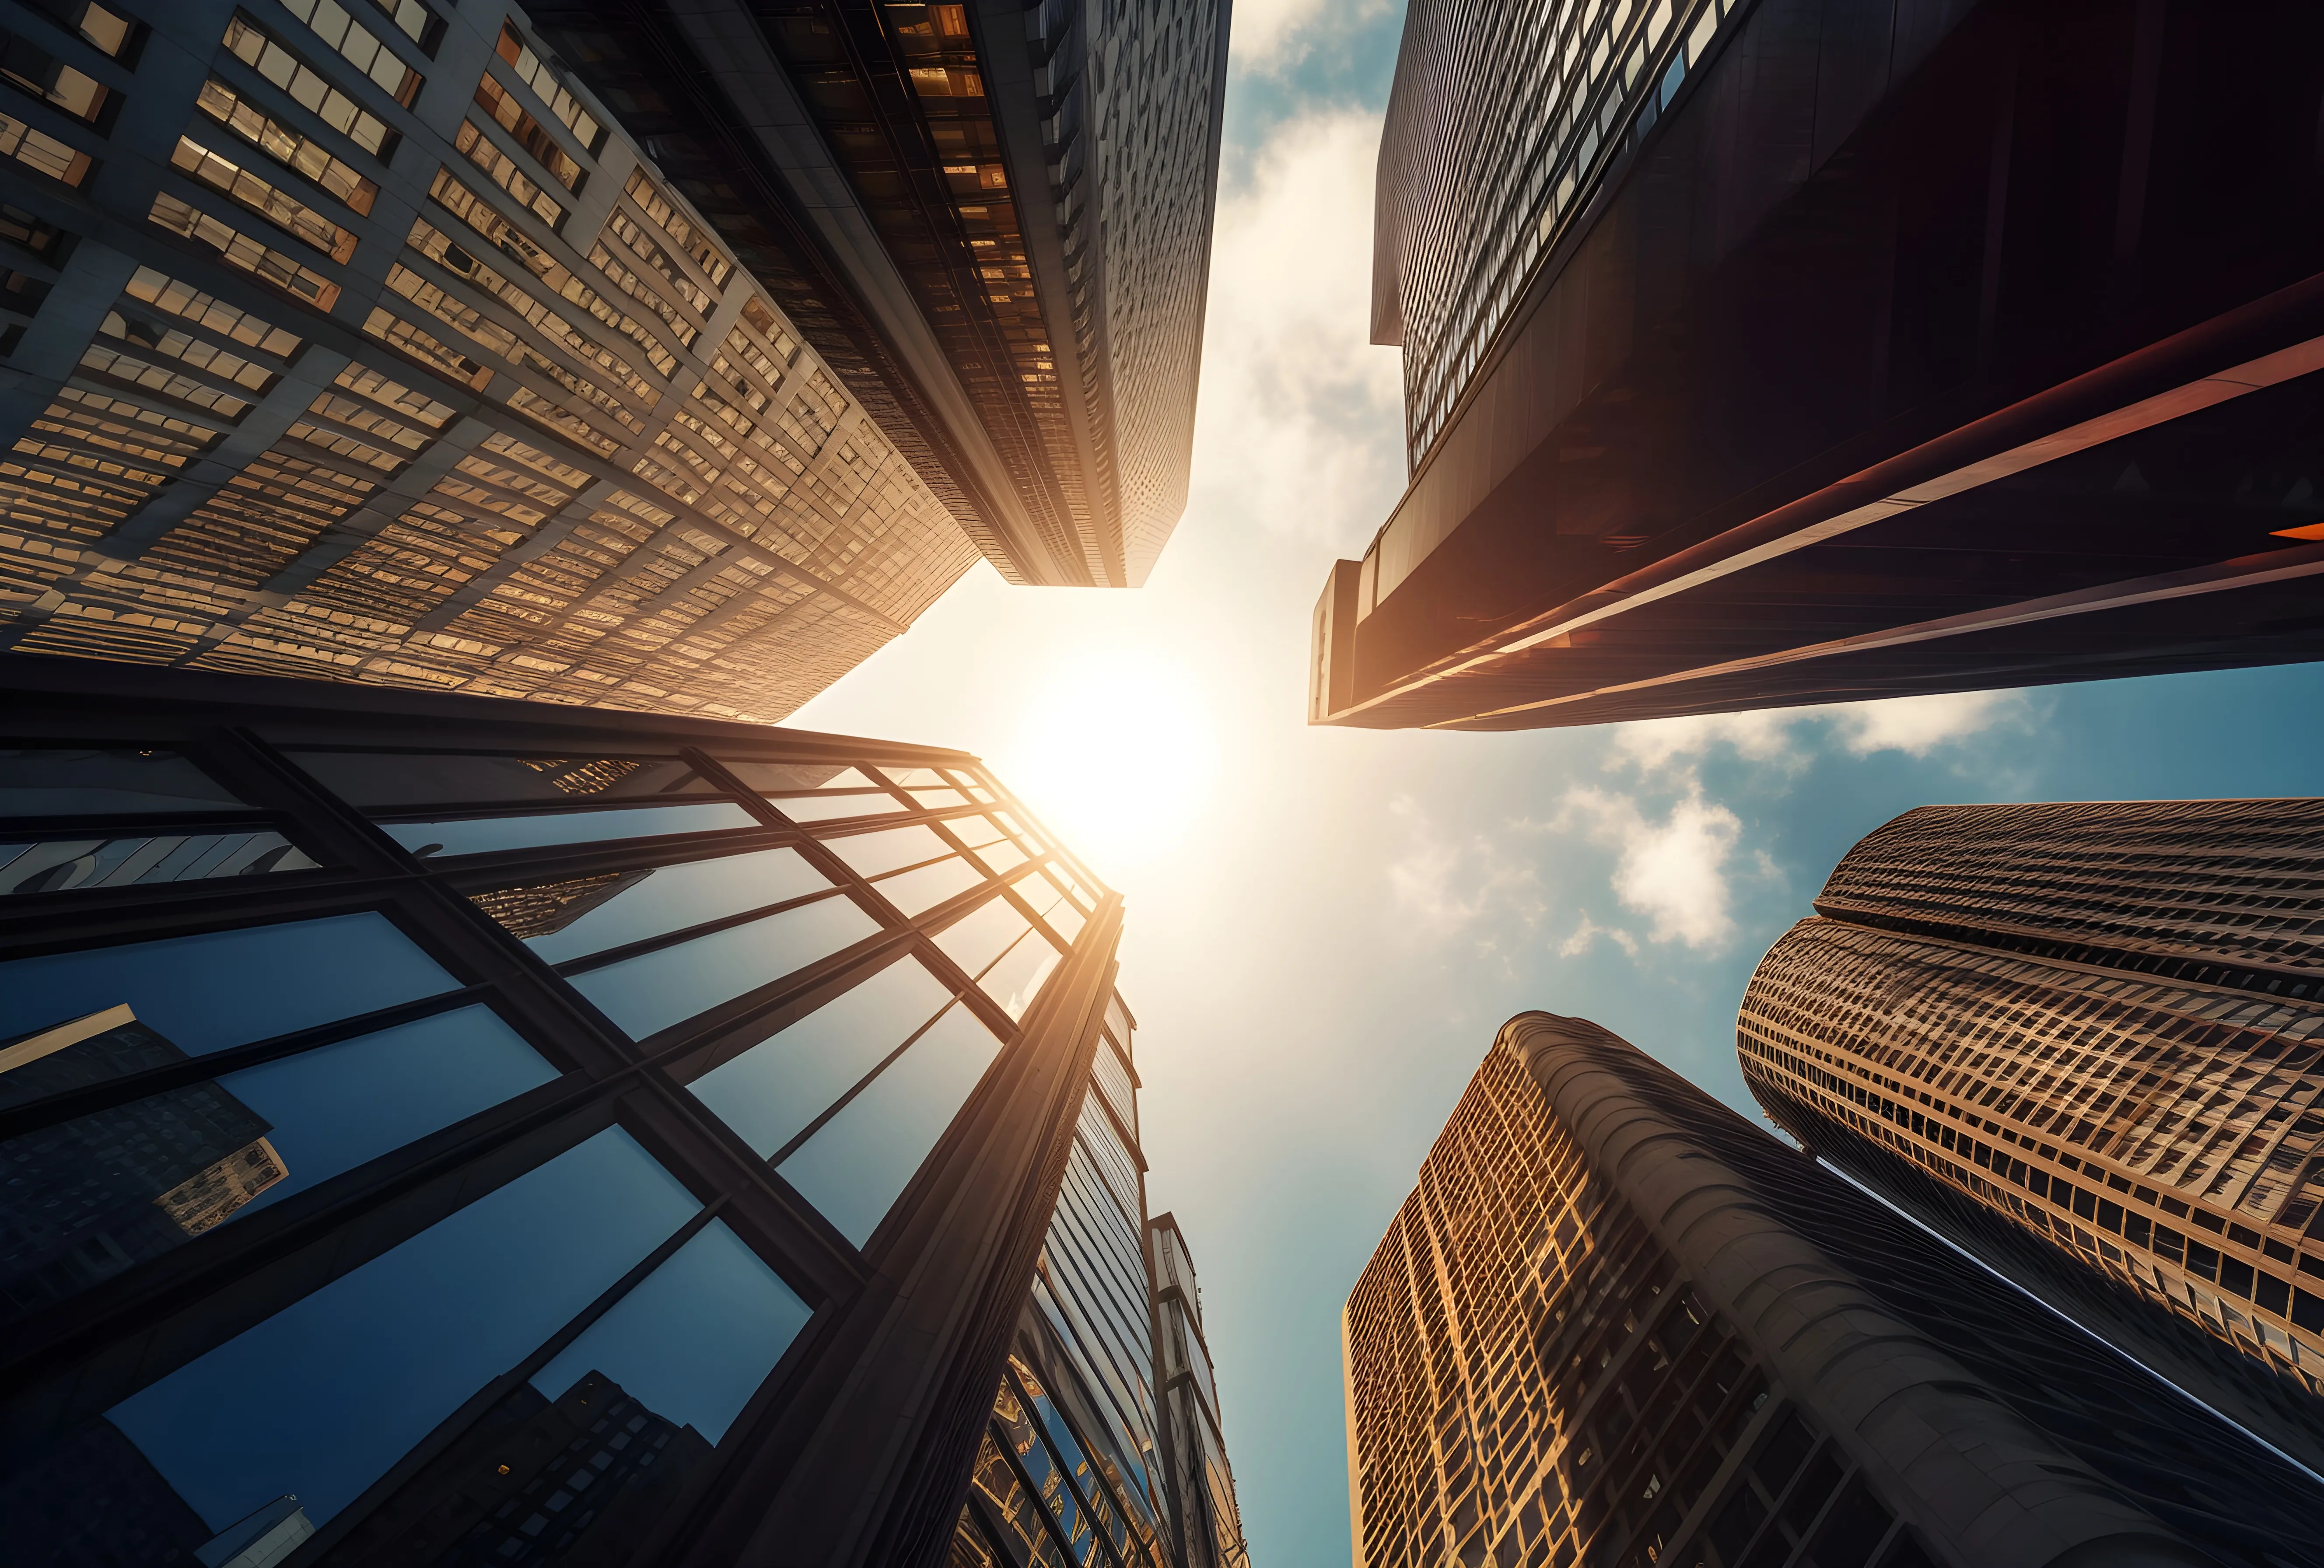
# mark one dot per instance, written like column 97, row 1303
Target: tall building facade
column 2085, row 1040
column 1765, row 352
column 381, row 344
column 1616, row 1323
column 675, row 1134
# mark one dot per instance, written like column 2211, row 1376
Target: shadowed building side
column 1615, row 1321
column 1799, row 351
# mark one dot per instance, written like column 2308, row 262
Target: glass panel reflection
column 869, row 854
column 84, row 782
column 61, row 865
column 694, row 1339
column 570, row 916
column 82, row 1199
column 476, row 836
column 856, row 1163
column 404, row 780
column 837, row 791
column 773, row 1090
column 224, row 988
column 656, row 990
column 915, row 890
column 315, row 1403
column 997, row 945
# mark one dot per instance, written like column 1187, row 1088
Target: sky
column 1325, row 927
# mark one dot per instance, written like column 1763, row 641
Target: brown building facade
column 2098, row 1025
column 1615, row 1323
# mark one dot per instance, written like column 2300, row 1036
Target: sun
column 1117, row 757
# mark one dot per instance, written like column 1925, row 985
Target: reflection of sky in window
column 772, row 1090
column 694, row 1339
column 979, row 937
column 869, row 854
column 1018, row 977
column 913, row 891
column 225, row 988
column 652, row 992
column 475, row 836
column 669, row 896
column 321, row 1398
column 71, row 782
column 857, row 1163
column 335, row 1107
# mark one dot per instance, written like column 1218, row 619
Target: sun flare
column 1117, row 758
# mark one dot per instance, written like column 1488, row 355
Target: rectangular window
column 530, row 135
column 2272, row 1294
column 534, row 73
column 27, row 67
column 647, row 994
column 278, row 207
column 236, row 249
column 2110, row 1217
column 359, row 46
column 2202, row 1260
column 42, row 153
column 300, row 154
column 570, row 918
column 259, row 49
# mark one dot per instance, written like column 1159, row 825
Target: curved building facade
column 1617, row 1323
column 2091, row 1034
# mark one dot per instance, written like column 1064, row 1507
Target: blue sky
column 1325, row 927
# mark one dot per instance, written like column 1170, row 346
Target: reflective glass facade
column 1615, row 1323
column 2096, row 1028
column 1800, row 351
column 575, row 1142
column 1210, row 1526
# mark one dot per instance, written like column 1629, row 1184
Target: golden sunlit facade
column 2098, row 1022
column 1616, row 1324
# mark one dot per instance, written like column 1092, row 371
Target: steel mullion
column 488, row 871
column 644, row 945
column 1081, row 1497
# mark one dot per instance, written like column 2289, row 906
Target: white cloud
column 1441, row 885
column 1293, row 398
column 1764, row 736
column 1589, row 931
column 1672, row 871
column 1273, row 35
column 1917, row 726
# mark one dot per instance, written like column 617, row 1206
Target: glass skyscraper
column 387, row 344
column 1615, row 1323
column 444, row 1131
column 1769, row 352
column 2084, row 1039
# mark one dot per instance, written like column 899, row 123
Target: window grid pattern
column 1503, row 123
column 2094, row 1021
column 621, row 478
column 474, row 1477
column 1532, row 1379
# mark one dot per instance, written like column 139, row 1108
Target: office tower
column 681, row 1132
column 1194, row 1440
column 1809, row 350
column 2083, row 1039
column 374, row 344
column 1616, row 1323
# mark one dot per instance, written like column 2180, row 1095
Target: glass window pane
column 1017, row 978
column 319, row 1401
column 913, row 891
column 62, row 865
column 779, row 777
column 224, row 988
column 915, row 778
column 694, row 1339
column 1113, row 1079
column 402, row 780
column 1052, row 906
column 869, row 854
column 84, row 782
column 656, row 990
column 977, row 938
column 83, row 1200
column 857, row 1163
column 476, row 836
column 831, row 808
column 936, row 800
column 771, row 1091
column 574, row 916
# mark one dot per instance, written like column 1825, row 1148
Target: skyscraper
column 386, row 344
column 1616, row 1323
column 2084, row 1039
column 1803, row 350
column 692, row 1143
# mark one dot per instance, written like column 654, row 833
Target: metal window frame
column 857, row 1447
